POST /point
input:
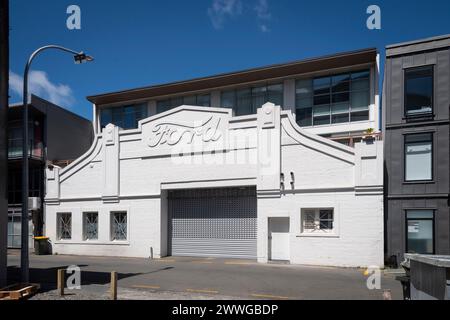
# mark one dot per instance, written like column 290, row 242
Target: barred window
column 64, row 226
column 315, row 220
column 119, row 226
column 309, row 220
column 90, row 225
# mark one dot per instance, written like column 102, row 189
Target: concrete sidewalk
column 203, row 278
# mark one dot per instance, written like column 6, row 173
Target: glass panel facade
column 35, row 188
column 418, row 157
column 419, row 91
column 203, row 100
column 15, row 228
column 243, row 102
column 333, row 99
column 125, row 117
column 304, row 102
column 35, row 135
column 246, row 101
column 420, row 233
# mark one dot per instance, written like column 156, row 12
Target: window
column 420, row 233
column 333, row 99
column 304, row 102
column 15, row 141
column 246, row 101
column 419, row 157
column 243, row 105
column 35, row 187
column 35, row 142
column 203, row 100
column 90, row 226
column 125, row 117
column 419, row 91
column 119, row 226
column 317, row 220
column 64, row 226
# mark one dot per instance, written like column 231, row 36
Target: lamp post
column 79, row 58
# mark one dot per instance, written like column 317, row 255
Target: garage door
column 213, row 222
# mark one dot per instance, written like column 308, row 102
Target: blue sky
column 143, row 42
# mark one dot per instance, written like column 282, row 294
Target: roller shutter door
column 213, row 222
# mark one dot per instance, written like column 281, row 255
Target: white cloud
column 264, row 28
column 262, row 10
column 40, row 85
column 263, row 14
column 221, row 10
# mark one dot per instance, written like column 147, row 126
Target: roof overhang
column 342, row 60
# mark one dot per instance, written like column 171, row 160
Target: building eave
column 432, row 43
column 341, row 60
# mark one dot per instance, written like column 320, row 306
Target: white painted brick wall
column 325, row 176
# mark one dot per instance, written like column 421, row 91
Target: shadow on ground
column 47, row 277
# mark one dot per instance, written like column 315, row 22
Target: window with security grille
column 316, row 220
column 309, row 220
column 90, row 225
column 119, row 226
column 64, row 226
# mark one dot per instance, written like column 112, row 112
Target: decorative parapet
column 111, row 178
column 269, row 149
column 52, row 188
column 369, row 168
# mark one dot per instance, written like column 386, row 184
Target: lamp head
column 82, row 57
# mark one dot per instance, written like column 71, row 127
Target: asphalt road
column 212, row 278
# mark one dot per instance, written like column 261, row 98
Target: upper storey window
column 419, row 91
column 35, row 142
column 246, row 101
column 125, row 117
column 333, row 99
column 203, row 100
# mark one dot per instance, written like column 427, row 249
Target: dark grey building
column 56, row 135
column 416, row 102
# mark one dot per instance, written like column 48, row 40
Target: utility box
column 430, row 277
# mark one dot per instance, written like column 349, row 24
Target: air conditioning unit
column 34, row 203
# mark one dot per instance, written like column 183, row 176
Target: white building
column 199, row 181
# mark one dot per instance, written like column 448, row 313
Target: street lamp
column 79, row 58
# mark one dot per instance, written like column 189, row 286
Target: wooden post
column 61, row 282
column 387, row 294
column 114, row 285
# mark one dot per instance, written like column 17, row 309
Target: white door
column 279, row 239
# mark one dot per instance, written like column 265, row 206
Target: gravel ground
column 127, row 294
